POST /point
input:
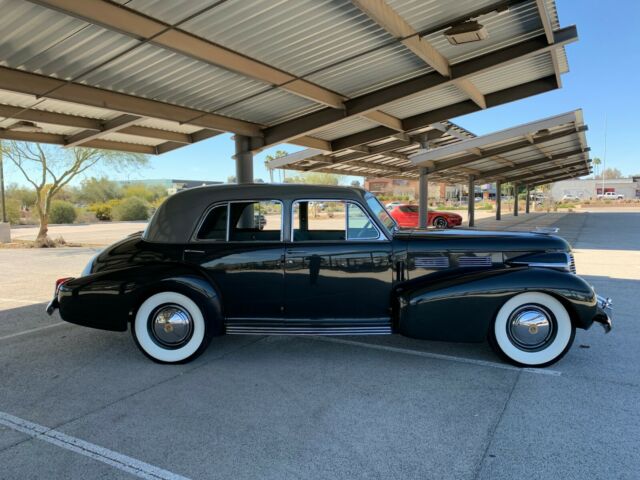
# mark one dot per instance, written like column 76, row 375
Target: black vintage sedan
column 327, row 261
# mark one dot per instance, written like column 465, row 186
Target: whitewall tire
column 532, row 329
column 169, row 327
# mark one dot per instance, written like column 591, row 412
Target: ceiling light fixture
column 466, row 32
column 24, row 126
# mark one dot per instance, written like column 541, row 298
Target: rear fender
column 460, row 304
column 109, row 300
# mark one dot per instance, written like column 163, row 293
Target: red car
column 407, row 217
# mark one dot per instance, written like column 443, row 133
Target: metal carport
column 151, row 76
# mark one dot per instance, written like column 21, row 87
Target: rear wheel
column 440, row 222
column 169, row 327
column 532, row 329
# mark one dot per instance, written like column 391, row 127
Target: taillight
column 60, row 281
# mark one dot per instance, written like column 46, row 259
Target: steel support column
column 244, row 174
column 2, row 196
column 423, row 198
column 244, row 159
column 528, row 200
column 498, row 200
column 471, row 203
column 515, row 199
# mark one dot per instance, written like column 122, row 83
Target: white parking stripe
column 439, row 356
column 17, row 300
column 25, row 332
column 104, row 455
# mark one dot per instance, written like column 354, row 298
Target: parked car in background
column 390, row 206
column 199, row 270
column 407, row 216
column 570, row 198
column 611, row 196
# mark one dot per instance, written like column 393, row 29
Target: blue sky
column 603, row 80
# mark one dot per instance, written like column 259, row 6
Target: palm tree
column 596, row 163
column 268, row 158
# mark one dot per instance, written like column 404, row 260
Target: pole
column 498, row 200
column 471, row 204
column 515, row 199
column 423, row 198
column 2, row 195
column 604, row 158
column 244, row 174
column 528, row 200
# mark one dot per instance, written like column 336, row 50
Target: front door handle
column 201, row 252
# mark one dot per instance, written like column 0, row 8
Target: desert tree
column 50, row 168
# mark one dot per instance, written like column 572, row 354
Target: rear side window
column 214, row 226
column 257, row 221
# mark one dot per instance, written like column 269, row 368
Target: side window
column 319, row 220
column 255, row 221
column 214, row 226
column 359, row 225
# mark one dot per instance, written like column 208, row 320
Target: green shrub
column 102, row 211
column 13, row 211
column 132, row 208
column 62, row 212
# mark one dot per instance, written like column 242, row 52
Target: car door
column 239, row 246
column 337, row 263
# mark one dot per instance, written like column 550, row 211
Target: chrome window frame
column 194, row 236
column 381, row 235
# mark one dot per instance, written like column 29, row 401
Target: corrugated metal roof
column 272, row 106
column 345, row 127
column 372, row 71
column 153, row 72
column 425, row 102
column 299, row 37
column 519, row 72
column 168, row 11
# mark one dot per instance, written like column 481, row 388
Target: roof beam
column 433, row 80
column 392, row 22
column 489, row 174
column 547, row 181
column 462, row 108
column 579, row 165
column 145, row 28
column 48, row 87
column 109, row 126
column 61, row 140
column 548, row 31
column 437, row 166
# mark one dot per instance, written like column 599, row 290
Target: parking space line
column 76, row 445
column 17, row 300
column 25, row 332
column 440, row 356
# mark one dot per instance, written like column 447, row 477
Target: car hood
column 481, row 241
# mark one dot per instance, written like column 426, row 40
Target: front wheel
column 532, row 329
column 169, row 327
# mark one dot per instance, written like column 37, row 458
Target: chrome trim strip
column 293, row 330
column 566, row 266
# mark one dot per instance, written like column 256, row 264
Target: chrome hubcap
column 440, row 223
column 171, row 326
column 531, row 327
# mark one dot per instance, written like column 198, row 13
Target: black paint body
column 390, row 281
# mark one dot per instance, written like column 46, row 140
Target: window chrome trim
column 194, row 236
column 380, row 238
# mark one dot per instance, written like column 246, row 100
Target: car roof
column 178, row 215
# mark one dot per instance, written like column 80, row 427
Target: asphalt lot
column 81, row 403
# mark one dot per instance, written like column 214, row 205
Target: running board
column 296, row 330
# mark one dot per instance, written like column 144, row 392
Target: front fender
column 108, row 300
column 460, row 304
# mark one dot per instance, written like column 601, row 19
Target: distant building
column 171, row 185
column 590, row 188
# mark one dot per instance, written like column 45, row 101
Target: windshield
column 379, row 211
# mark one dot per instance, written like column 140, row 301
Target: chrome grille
column 484, row 261
column 432, row 262
column 572, row 263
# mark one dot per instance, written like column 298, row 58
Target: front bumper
column 604, row 315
